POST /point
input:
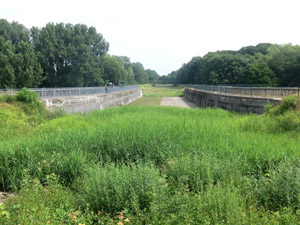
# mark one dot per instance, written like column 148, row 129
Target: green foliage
column 140, row 75
column 267, row 64
column 267, row 108
column 284, row 61
column 62, row 55
column 4, row 214
column 18, row 63
column 30, row 100
column 38, row 204
column 7, row 72
column 198, row 172
column 54, row 113
column 261, row 74
column 254, row 50
column 123, row 187
column 8, row 99
column 288, row 122
column 279, row 187
column 67, row 166
column 159, row 165
column 288, row 104
column 13, row 121
column 150, row 91
column 147, row 101
column 70, row 55
column 113, row 71
column 152, row 76
column 284, row 117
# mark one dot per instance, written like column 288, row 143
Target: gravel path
column 177, row 101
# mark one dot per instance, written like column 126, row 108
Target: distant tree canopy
column 263, row 64
column 19, row 65
column 62, row 55
column 67, row 55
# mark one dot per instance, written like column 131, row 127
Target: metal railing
column 249, row 91
column 63, row 92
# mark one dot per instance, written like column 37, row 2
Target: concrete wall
column 87, row 103
column 236, row 103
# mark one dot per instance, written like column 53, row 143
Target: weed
column 151, row 165
column 115, row 188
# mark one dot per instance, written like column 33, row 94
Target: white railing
column 63, row 92
column 249, row 91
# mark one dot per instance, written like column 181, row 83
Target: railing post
column 298, row 92
column 265, row 92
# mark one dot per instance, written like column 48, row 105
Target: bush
column 280, row 187
column 287, row 122
column 116, row 188
column 289, row 103
column 8, row 99
column 31, row 101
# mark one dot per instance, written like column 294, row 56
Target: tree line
column 264, row 64
column 62, row 55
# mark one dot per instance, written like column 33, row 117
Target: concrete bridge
column 84, row 100
column 238, row 103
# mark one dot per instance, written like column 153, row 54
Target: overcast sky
column 164, row 34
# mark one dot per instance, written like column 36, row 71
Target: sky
column 165, row 34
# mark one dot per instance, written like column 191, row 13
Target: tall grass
column 164, row 164
column 115, row 188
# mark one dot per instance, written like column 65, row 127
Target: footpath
column 177, row 102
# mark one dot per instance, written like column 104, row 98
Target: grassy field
column 152, row 165
column 152, row 95
column 150, row 91
column 147, row 101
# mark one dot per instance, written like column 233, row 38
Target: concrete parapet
column 87, row 103
column 236, row 103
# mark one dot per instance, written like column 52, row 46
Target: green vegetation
column 152, row 95
column 20, row 113
column 150, row 91
column 279, row 118
column 149, row 165
column 264, row 65
column 62, row 55
column 147, row 101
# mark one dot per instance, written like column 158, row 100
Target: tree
column 113, row 71
column 140, row 74
column 27, row 69
column 164, row 79
column 18, row 63
column 261, row 74
column 224, row 68
column 190, row 72
column 252, row 50
column 152, row 76
column 7, row 72
column 70, row 55
column 14, row 32
column 285, row 62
